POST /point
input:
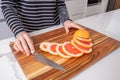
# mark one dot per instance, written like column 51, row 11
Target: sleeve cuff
column 18, row 31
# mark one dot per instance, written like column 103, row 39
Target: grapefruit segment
column 61, row 52
column 43, row 46
column 81, row 48
column 52, row 48
column 69, row 49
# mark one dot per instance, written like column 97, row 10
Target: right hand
column 24, row 43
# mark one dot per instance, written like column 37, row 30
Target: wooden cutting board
column 34, row 70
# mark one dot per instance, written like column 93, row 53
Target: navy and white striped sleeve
column 9, row 11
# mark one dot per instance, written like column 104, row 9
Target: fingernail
column 32, row 51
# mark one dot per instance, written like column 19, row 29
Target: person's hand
column 24, row 43
column 70, row 24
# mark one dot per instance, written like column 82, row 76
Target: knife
column 47, row 61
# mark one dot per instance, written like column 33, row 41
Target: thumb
column 66, row 29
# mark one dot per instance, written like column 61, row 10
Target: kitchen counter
column 105, row 69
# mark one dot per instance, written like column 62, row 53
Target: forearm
column 63, row 13
column 10, row 15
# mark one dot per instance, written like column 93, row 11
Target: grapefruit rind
column 43, row 46
column 50, row 50
column 60, row 53
column 82, row 33
column 70, row 53
column 84, row 51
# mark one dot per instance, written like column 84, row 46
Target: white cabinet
column 1, row 14
column 79, row 8
column 5, row 31
column 97, row 8
column 76, row 8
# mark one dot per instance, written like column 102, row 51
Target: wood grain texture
column 34, row 70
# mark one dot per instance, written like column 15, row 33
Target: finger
column 16, row 48
column 66, row 29
column 30, row 43
column 19, row 46
column 25, row 45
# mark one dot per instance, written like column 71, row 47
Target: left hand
column 70, row 24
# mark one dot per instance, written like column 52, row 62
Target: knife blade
column 47, row 61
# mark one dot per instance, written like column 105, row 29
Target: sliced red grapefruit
column 83, row 43
column 52, row 48
column 43, row 46
column 61, row 52
column 84, row 39
column 69, row 49
column 81, row 48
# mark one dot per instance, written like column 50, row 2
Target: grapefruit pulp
column 52, row 48
column 61, row 52
column 43, row 46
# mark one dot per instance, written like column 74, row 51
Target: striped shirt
column 31, row 15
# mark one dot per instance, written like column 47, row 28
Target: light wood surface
column 34, row 70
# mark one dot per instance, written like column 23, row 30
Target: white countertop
column 105, row 69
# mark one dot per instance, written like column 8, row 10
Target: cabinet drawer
column 77, row 16
column 76, row 6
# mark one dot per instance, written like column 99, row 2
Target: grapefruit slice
column 69, row 49
column 82, row 33
column 81, row 48
column 84, row 39
column 61, row 52
column 83, row 43
column 43, row 46
column 52, row 48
